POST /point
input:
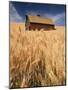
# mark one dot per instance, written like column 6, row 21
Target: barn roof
column 39, row 19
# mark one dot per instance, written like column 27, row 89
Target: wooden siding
column 34, row 26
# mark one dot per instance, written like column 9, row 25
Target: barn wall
column 40, row 26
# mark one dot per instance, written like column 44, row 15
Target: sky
column 19, row 10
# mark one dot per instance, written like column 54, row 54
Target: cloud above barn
column 58, row 18
column 14, row 15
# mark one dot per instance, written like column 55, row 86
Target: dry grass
column 37, row 58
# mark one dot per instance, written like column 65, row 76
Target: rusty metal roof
column 39, row 19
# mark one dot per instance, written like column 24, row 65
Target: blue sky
column 18, row 11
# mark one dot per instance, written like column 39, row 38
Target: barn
column 38, row 22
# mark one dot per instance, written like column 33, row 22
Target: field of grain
column 37, row 58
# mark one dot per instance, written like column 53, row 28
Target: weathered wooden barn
column 38, row 22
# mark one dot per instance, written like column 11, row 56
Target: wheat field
column 37, row 58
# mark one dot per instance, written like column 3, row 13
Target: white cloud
column 14, row 15
column 59, row 16
column 56, row 17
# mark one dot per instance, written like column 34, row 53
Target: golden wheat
column 37, row 58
